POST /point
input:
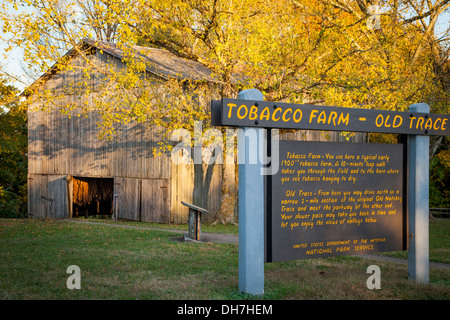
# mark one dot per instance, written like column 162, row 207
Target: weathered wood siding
column 58, row 144
column 147, row 188
column 47, row 196
column 155, row 201
column 61, row 146
column 182, row 189
column 128, row 198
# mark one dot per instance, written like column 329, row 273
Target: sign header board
column 264, row 114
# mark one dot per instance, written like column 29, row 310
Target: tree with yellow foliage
column 348, row 53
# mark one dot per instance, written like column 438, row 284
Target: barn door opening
column 92, row 196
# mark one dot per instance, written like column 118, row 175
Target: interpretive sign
column 264, row 114
column 331, row 199
column 324, row 198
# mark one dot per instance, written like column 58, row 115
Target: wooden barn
column 71, row 172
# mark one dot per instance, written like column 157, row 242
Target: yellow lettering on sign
column 377, row 120
column 299, row 114
column 386, row 122
column 381, row 121
column 322, row 117
column 420, row 122
column 265, row 114
column 333, row 116
column 239, row 115
column 437, row 120
column 284, row 114
column 230, row 105
column 253, row 113
column 436, row 124
column 411, row 120
column 274, row 113
column 312, row 115
column 343, row 119
column 429, row 124
column 399, row 123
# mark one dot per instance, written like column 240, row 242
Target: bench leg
column 198, row 219
column 194, row 225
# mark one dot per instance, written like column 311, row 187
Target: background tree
column 300, row 51
column 13, row 160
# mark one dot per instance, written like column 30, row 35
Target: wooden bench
column 195, row 215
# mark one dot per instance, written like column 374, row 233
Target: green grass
column 439, row 242
column 206, row 227
column 119, row 263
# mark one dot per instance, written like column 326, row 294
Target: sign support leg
column 251, row 205
column 418, row 203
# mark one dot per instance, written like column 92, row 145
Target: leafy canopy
column 327, row 52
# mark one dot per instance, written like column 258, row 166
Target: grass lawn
column 119, row 263
column 439, row 242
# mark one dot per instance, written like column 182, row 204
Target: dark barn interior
column 92, row 196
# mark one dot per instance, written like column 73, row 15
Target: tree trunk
column 225, row 214
column 202, row 183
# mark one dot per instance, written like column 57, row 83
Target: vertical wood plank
column 57, row 196
column 37, row 192
column 128, row 200
column 154, row 202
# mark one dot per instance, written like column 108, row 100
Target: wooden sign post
column 325, row 198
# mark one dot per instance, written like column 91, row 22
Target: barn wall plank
column 127, row 200
column 32, row 142
column 57, row 195
column 47, row 196
column 37, row 189
column 155, row 200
